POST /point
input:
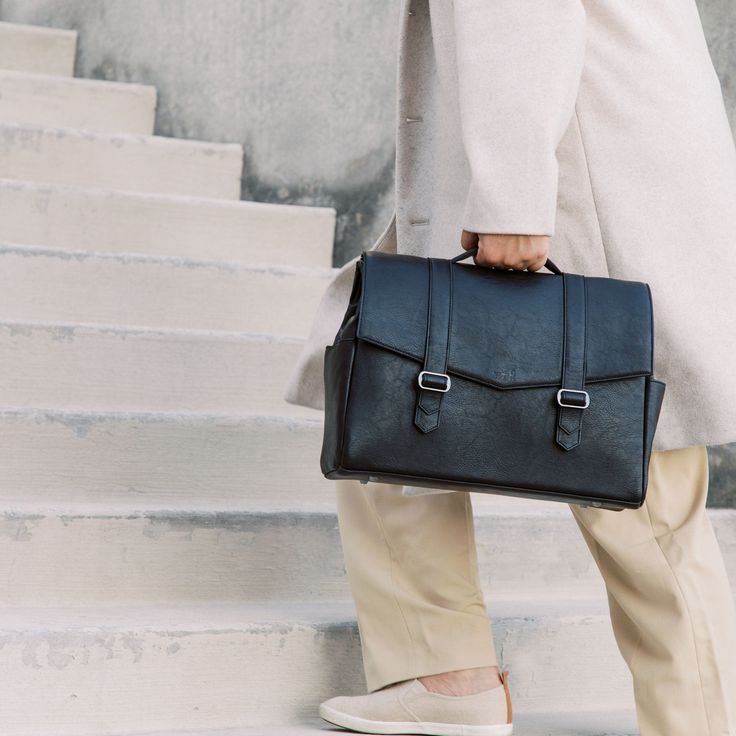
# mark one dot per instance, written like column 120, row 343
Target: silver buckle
column 573, row 391
column 432, row 388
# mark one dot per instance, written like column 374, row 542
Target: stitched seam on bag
column 427, row 334
column 486, row 382
column 645, row 422
column 340, row 463
column 565, row 357
column 592, row 188
column 585, row 354
column 651, row 322
column 585, row 331
column 364, row 290
column 449, row 320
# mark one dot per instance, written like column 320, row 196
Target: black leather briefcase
column 450, row 375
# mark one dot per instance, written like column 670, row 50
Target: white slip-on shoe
column 409, row 708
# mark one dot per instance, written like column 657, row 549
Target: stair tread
column 128, row 330
column 43, row 251
column 7, row 26
column 37, row 49
column 100, row 219
column 104, row 365
column 580, row 723
column 59, row 99
column 484, row 504
column 183, row 199
column 71, row 152
column 59, row 131
column 237, row 616
column 79, row 82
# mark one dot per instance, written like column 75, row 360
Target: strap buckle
column 577, row 405
column 427, row 387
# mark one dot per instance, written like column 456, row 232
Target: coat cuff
column 513, row 207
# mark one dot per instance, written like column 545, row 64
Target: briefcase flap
column 506, row 327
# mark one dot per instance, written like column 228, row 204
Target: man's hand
column 508, row 251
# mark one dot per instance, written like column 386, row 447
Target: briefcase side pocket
column 338, row 368
column 337, row 374
column 654, row 398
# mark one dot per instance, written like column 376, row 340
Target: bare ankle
column 463, row 682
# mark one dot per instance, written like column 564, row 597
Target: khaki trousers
column 413, row 571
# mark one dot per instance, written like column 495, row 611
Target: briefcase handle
column 472, row 251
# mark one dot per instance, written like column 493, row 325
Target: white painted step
column 104, row 555
column 101, row 555
column 148, row 461
column 159, row 292
column 181, row 461
column 121, row 161
column 37, row 49
column 151, row 461
column 153, row 224
column 116, row 669
column 108, row 368
column 551, row 723
column 95, row 105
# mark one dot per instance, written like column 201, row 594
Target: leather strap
column 437, row 344
column 570, row 418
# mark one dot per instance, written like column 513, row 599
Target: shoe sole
column 364, row 725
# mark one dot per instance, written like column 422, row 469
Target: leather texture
column 439, row 319
column 510, row 345
column 570, row 412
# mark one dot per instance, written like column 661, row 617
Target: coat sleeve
column 519, row 66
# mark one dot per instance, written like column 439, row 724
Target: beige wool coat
column 598, row 122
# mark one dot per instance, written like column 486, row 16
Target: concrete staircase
column 169, row 550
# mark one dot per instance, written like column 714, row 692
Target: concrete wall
column 719, row 22
column 307, row 86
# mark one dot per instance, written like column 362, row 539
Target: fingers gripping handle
column 549, row 265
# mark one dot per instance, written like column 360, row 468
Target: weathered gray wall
column 719, row 22
column 307, row 86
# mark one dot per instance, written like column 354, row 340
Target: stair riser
column 158, row 294
column 97, row 220
column 37, row 50
column 132, row 163
column 128, row 371
column 73, row 560
column 216, row 463
column 270, row 673
column 104, row 107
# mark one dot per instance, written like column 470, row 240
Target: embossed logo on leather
column 504, row 374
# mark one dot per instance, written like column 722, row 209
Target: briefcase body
column 450, row 375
